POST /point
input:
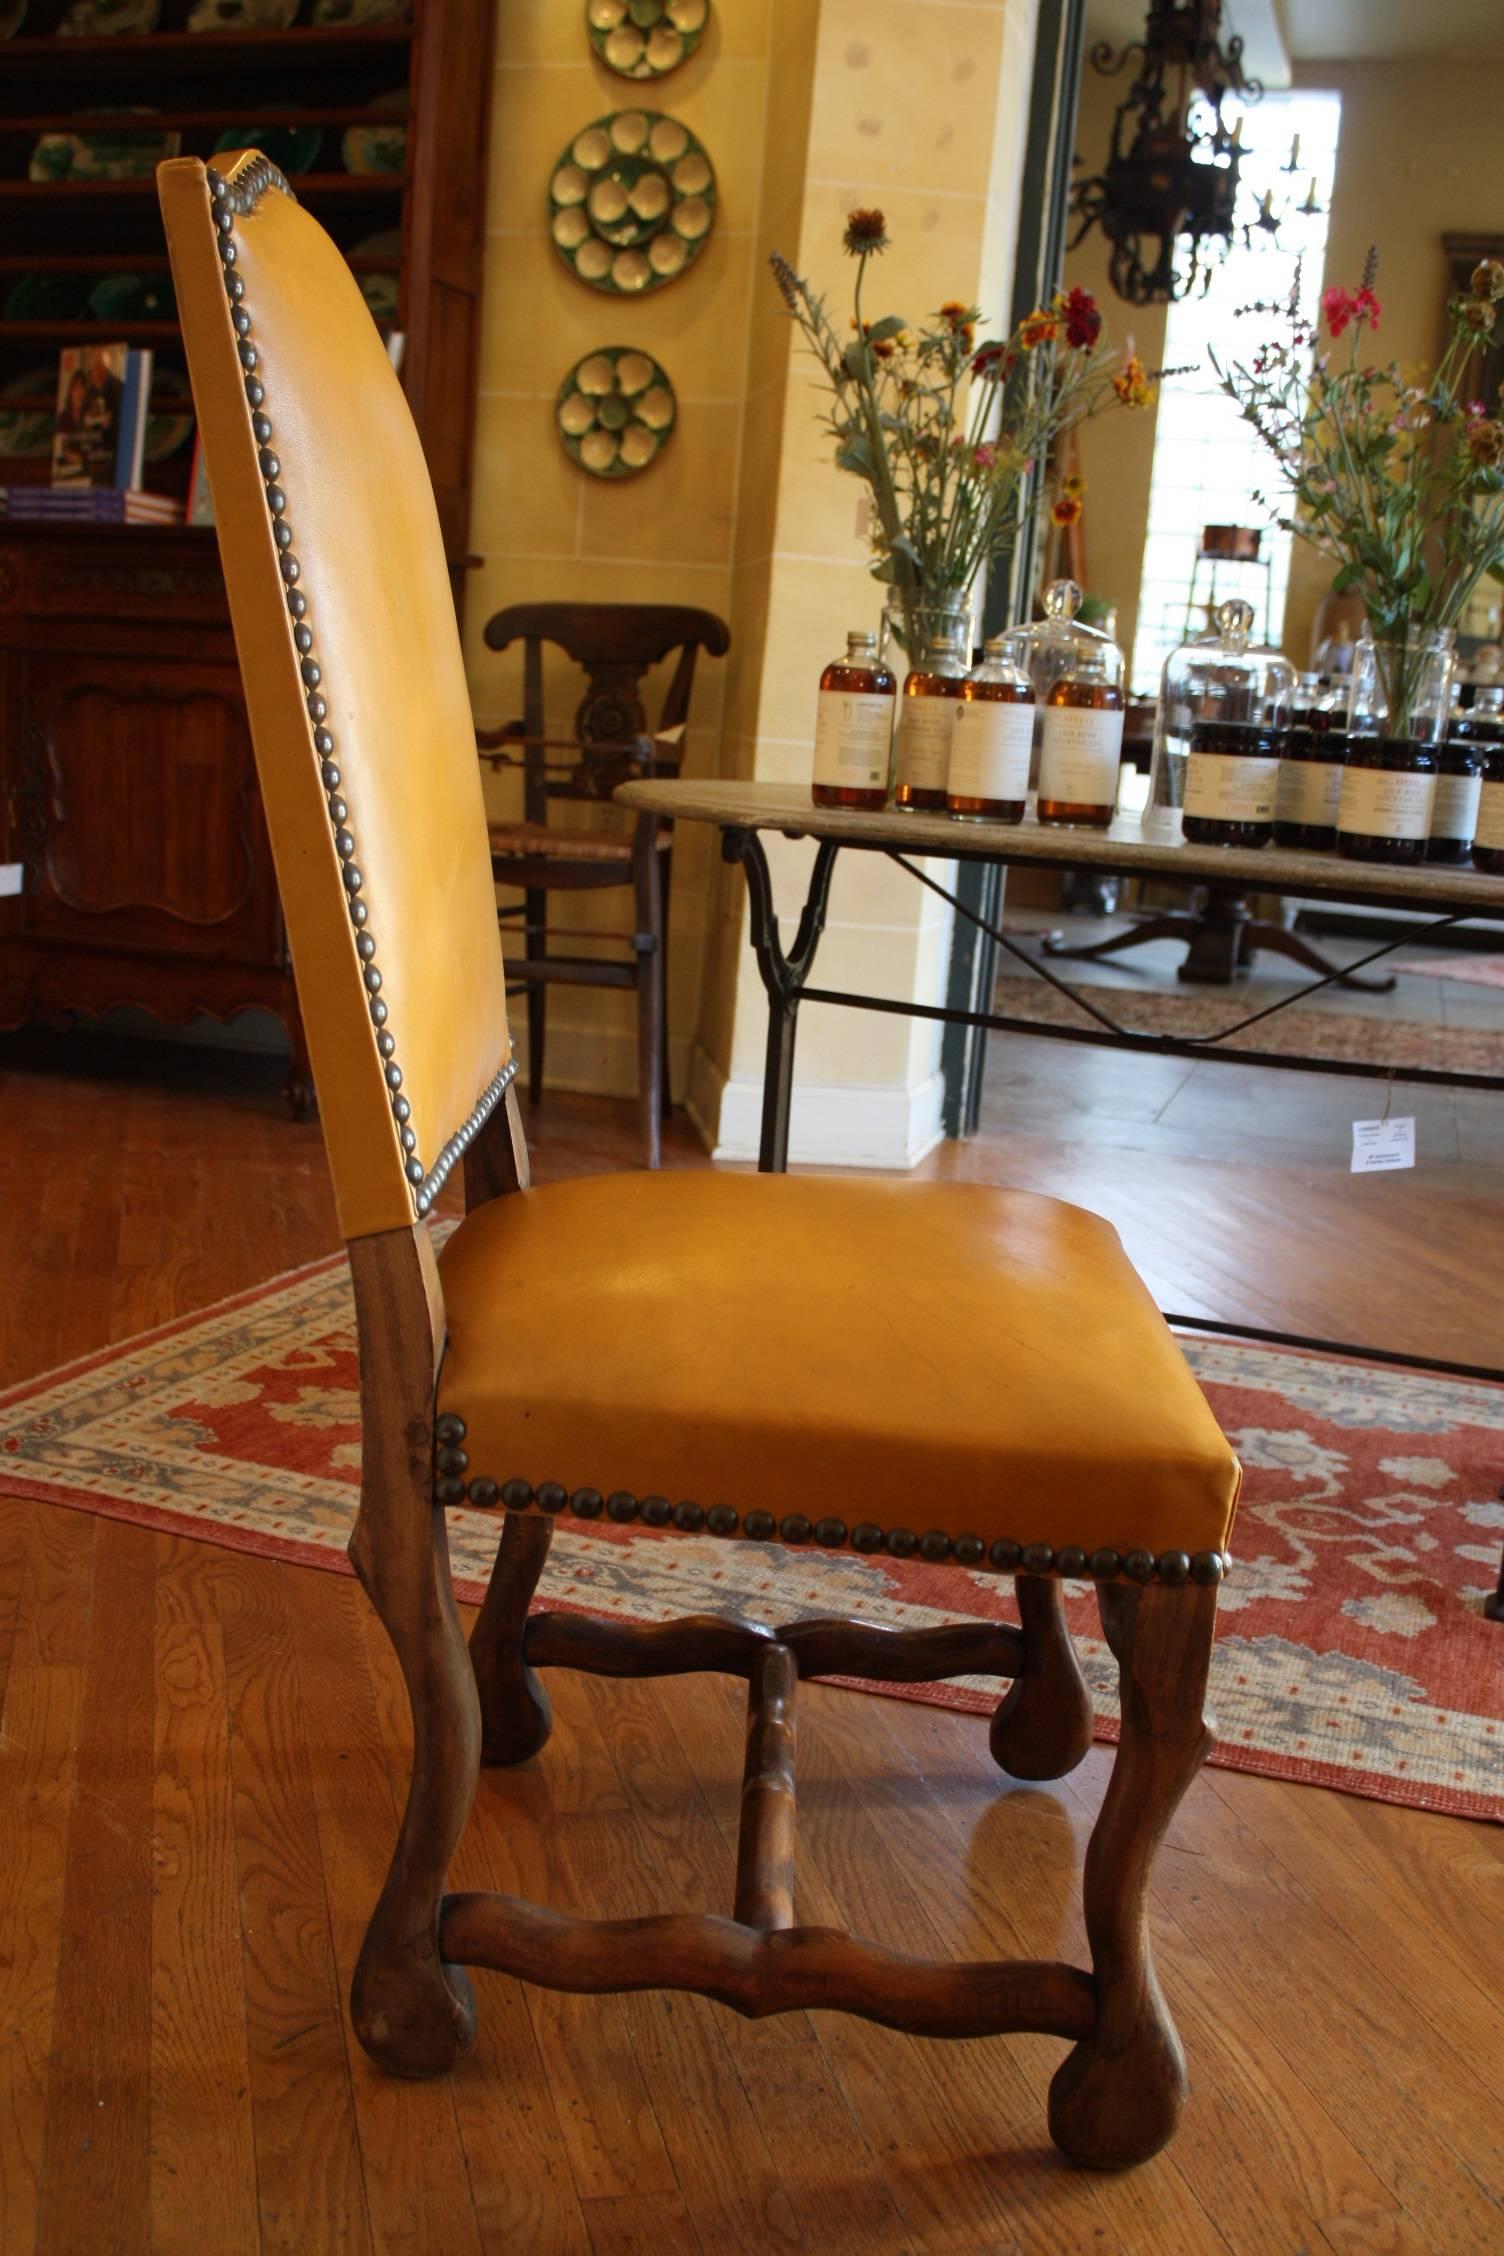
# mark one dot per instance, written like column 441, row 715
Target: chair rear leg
column 536, row 944
column 651, row 1000
column 1116, row 2098
column 516, row 1714
column 1042, row 1726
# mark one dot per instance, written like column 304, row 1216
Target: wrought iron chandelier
column 1168, row 199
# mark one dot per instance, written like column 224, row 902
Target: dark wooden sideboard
column 127, row 784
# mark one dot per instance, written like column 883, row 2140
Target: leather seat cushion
column 915, row 1355
column 529, row 841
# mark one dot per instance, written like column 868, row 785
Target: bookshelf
column 127, row 787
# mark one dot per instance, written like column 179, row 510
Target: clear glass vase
column 914, row 622
column 1402, row 685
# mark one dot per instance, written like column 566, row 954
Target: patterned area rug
column 1375, row 1036
column 1352, row 1647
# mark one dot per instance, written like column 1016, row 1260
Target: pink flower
column 986, row 456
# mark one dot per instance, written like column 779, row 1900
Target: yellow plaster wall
column 547, row 531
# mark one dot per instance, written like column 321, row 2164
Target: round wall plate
column 615, row 411
column 645, row 38
column 631, row 202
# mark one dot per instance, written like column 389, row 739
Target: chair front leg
column 652, row 1011
column 412, row 2013
column 1117, row 2097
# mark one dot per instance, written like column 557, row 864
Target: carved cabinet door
column 142, row 824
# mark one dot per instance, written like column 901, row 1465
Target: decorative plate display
column 134, row 297
column 632, row 201
column 379, row 149
column 102, row 19
column 169, row 421
column 292, row 148
column 363, row 13
column 615, row 411
column 645, row 38
column 26, row 432
column 12, row 16
column 108, row 153
column 242, row 15
column 380, row 288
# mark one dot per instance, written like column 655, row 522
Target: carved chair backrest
column 350, row 656
column 615, row 644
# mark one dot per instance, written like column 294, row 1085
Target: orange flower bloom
column 1132, row 383
column 1066, row 509
column 1040, row 328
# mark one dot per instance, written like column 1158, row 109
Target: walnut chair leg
column 516, row 1714
column 1042, row 1726
column 413, row 2014
column 1116, row 2098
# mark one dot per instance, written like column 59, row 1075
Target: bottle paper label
column 1386, row 803
column 990, row 749
column 1078, row 762
column 1490, row 827
column 924, row 729
column 1231, row 787
column 1309, row 791
column 1456, row 810
column 853, row 732
column 1379, row 1145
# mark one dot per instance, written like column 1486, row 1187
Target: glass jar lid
column 1061, row 645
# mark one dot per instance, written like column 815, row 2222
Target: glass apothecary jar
column 1310, row 769
column 914, row 623
column 993, row 737
column 1397, row 718
column 1224, row 709
column 854, row 728
column 1077, row 678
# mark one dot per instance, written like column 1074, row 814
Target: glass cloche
column 1221, row 678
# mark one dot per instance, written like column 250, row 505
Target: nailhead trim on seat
column 231, row 202
column 1069, row 1562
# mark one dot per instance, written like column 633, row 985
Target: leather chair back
column 350, row 655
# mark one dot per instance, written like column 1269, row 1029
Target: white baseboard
column 838, row 1124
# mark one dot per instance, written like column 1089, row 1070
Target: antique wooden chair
column 616, row 644
column 925, row 1370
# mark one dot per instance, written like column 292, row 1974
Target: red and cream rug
column 1352, row 1650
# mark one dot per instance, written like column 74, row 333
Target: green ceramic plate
column 102, row 19
column 631, row 202
column 169, row 421
column 645, row 38
column 26, row 432
column 49, row 297
column 379, row 150
column 133, row 297
column 615, row 412
column 242, row 15
column 109, row 153
column 364, row 13
column 292, row 148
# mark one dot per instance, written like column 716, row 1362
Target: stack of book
column 88, row 505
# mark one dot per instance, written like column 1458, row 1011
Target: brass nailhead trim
column 1069, row 1563
column 229, row 203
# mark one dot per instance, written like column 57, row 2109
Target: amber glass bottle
column 926, row 718
column 1082, row 746
column 1388, row 789
column 1231, row 778
column 1473, row 733
column 1310, row 773
column 854, row 728
column 1488, row 838
column 994, row 738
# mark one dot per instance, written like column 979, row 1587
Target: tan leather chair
column 927, row 1370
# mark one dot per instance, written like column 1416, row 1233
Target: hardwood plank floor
column 201, row 1756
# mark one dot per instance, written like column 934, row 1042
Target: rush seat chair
column 933, row 1371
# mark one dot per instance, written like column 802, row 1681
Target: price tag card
column 1379, row 1145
